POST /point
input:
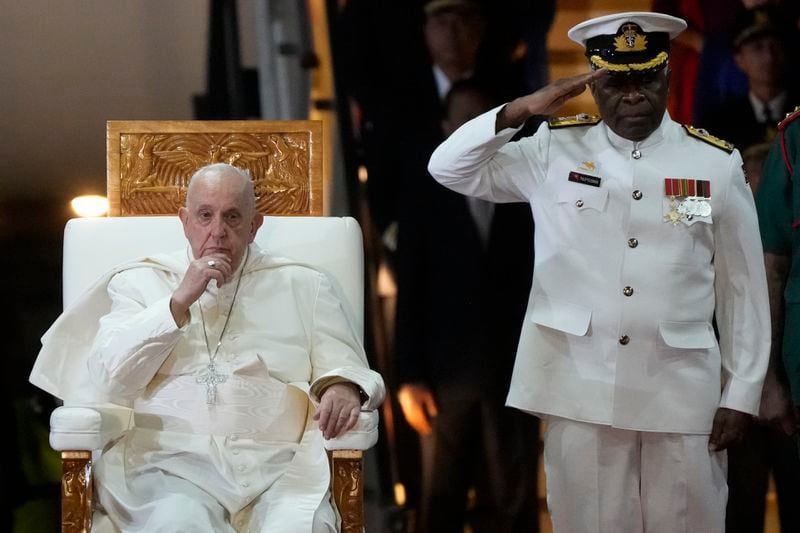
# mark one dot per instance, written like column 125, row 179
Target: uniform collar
column 655, row 138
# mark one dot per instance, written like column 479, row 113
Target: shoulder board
column 789, row 118
column 581, row 119
column 703, row 135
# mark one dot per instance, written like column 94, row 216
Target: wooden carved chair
column 149, row 165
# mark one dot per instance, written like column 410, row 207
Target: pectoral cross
column 210, row 378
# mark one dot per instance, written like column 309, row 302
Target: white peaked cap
column 610, row 24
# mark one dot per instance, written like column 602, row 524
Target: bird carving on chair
column 137, row 164
column 287, row 163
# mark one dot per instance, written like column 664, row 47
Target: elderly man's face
column 218, row 218
column 632, row 107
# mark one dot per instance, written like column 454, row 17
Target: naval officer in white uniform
column 645, row 234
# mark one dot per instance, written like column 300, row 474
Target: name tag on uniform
column 586, row 179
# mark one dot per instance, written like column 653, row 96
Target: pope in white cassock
column 218, row 348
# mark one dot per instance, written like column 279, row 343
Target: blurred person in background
column 766, row 448
column 464, row 271
column 760, row 49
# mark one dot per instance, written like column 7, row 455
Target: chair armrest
column 76, row 431
column 87, row 428
column 346, row 455
column 362, row 437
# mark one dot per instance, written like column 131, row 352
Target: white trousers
column 606, row 480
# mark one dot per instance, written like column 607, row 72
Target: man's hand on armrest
column 338, row 409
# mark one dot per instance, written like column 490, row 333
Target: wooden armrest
column 346, row 457
column 76, row 491
column 75, row 431
column 347, row 487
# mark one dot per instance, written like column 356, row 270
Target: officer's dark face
column 632, row 106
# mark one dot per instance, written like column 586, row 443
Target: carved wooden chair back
column 149, row 162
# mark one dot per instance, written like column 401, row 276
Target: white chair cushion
column 76, row 428
column 87, row 427
column 362, row 437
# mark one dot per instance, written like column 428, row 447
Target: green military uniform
column 778, row 204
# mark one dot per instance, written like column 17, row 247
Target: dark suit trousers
column 479, row 443
column 749, row 465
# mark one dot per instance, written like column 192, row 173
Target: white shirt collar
column 442, row 81
column 776, row 106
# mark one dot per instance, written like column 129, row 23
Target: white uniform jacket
column 618, row 328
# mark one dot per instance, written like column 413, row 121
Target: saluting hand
column 544, row 101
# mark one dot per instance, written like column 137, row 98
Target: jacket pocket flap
column 560, row 315
column 582, row 196
column 687, row 334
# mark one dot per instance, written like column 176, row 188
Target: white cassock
column 254, row 459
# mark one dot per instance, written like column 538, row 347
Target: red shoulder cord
column 781, row 131
column 785, row 153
